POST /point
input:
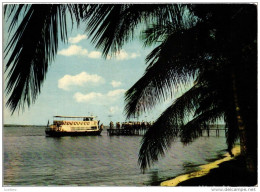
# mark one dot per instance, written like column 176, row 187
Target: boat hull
column 50, row 133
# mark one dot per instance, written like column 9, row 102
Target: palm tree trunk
column 249, row 160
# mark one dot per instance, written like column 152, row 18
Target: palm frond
column 119, row 22
column 78, row 12
column 164, row 131
column 157, row 33
column 193, row 128
column 33, row 45
column 181, row 19
column 18, row 10
column 169, row 68
column 212, row 97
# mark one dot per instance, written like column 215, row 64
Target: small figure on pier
column 143, row 125
column 111, row 125
column 118, row 125
column 101, row 126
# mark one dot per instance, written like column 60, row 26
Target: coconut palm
column 208, row 100
column 212, row 50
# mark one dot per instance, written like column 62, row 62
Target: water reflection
column 154, row 177
column 12, row 167
column 189, row 166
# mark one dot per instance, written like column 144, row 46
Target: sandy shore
column 205, row 169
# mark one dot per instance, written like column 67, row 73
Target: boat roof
column 74, row 116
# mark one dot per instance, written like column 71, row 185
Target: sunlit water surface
column 31, row 159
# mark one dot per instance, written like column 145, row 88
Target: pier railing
column 136, row 132
column 133, row 132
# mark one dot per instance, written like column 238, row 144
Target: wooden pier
column 128, row 132
column 212, row 132
column 137, row 132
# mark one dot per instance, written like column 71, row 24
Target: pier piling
column 139, row 129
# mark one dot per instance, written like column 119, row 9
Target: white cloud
column 115, row 93
column 73, row 50
column 77, row 39
column 113, row 109
column 80, row 79
column 123, row 55
column 99, row 98
column 88, row 97
column 78, row 50
column 94, row 54
column 116, row 83
column 134, row 55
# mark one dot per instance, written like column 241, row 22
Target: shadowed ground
column 229, row 173
column 224, row 172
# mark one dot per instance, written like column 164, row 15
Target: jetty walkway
column 140, row 128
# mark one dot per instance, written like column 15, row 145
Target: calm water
column 31, row 159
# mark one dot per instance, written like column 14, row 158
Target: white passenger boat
column 73, row 126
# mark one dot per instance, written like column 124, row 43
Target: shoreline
column 204, row 169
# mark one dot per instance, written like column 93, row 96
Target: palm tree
column 190, row 38
column 33, row 47
column 34, row 43
column 225, row 66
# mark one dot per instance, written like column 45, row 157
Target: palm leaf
column 119, row 22
column 164, row 131
column 193, row 128
column 33, row 46
column 169, row 68
column 203, row 102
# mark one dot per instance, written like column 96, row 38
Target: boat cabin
column 88, row 118
column 74, row 118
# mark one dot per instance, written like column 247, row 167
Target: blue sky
column 80, row 82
